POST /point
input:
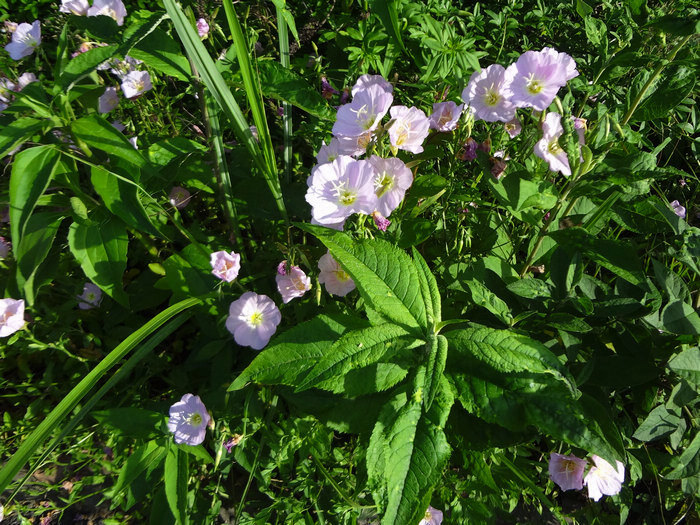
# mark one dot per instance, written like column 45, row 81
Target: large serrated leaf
column 429, row 288
column 434, row 372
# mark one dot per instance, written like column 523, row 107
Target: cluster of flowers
column 602, row 478
column 9, row 88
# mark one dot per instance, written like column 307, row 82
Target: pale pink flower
column 432, row 517
column 604, row 479
column 25, row 40
column 410, row 128
column 112, row 8
column 136, row 83
column 678, row 209
column 90, row 298
column 364, row 113
column 202, row 28
column 365, row 81
column 336, row 280
column 253, row 320
column 566, row 471
column 179, row 197
column 548, row 147
column 292, row 282
column 445, row 116
column 340, row 188
column 353, row 146
column 487, row 96
column 188, row 420
column 225, row 265
column 391, row 180
column 535, row 78
column 4, row 248
column 76, row 7
column 24, row 80
column 513, row 127
column 381, row 222
column 329, row 152
column 11, row 316
column 108, row 101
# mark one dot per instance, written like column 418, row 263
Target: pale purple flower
column 225, row 265
column 24, row 80
column 353, row 146
column 10, row 27
column 432, row 517
column 188, row 420
column 487, row 96
column 11, row 316
column 381, row 222
column 329, row 152
column 365, row 81
column 136, row 83
column 580, row 125
column 410, row 128
column 202, row 28
column 7, row 90
column 513, row 127
column 234, row 441
column 333, row 277
column 345, row 96
column 25, row 40
column 4, row 248
column 292, row 282
column 179, row 197
column 327, row 91
column 134, row 142
column 340, row 188
column 118, row 126
column 548, row 147
column 90, row 298
column 76, row 7
column 678, row 209
column 535, row 78
column 364, row 113
column 604, row 479
column 469, row 150
column 445, row 116
column 391, row 180
column 119, row 68
column 112, row 8
column 253, row 319
column 566, row 471
column 108, row 101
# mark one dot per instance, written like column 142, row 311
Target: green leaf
column 676, row 84
column 131, row 422
column 147, row 457
column 387, row 12
column 687, row 365
column 689, row 462
column 688, row 24
column 96, row 132
column 100, row 248
column 415, row 231
column 159, row 51
column 437, row 357
column 84, row 64
column 583, row 9
column 385, row 276
column 429, row 288
column 485, row 298
column 175, row 476
column 659, row 423
column 517, row 194
column 197, row 451
column 679, row 317
column 17, row 132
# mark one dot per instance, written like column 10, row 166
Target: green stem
column 286, row 107
column 333, row 483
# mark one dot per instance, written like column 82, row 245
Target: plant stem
column 286, row 107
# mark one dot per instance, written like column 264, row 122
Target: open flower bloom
column 253, row 319
column 136, row 83
column 24, row 80
column 603, row 479
column 410, row 128
column 548, row 147
column 678, row 209
column 366, row 81
column 329, row 152
column 225, row 265
column 333, row 277
column 487, row 96
column 340, row 188
column 188, row 420
column 432, row 517
column 291, row 282
column 112, row 8
column 108, row 101
column 76, row 7
column 11, row 316
column 202, row 28
column 513, row 127
column 354, row 146
column 392, row 179
column 364, row 113
column 25, row 39
column 90, row 298
column 179, row 197
column 445, row 116
column 566, row 471
column 535, row 78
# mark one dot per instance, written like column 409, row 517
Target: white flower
column 112, row 8
column 335, row 279
column 603, row 479
column 77, row 7
column 24, row 40
column 486, row 94
column 392, row 179
column 188, row 420
column 136, row 83
column 24, row 80
column 253, row 319
column 548, row 147
column 109, row 100
column 410, row 128
column 11, row 316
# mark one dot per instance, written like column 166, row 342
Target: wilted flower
column 678, row 209
column 119, row 68
column 202, row 28
column 535, row 78
column 580, row 125
column 234, row 441
column 365, row 81
column 432, row 517
column 364, row 113
column 90, row 298
column 498, row 167
column 566, row 471
column 391, row 180
column 548, row 147
column 112, row 8
column 291, row 282
column 25, row 39
column 253, row 319
column 513, row 127
column 11, row 316
column 24, row 80
column 109, row 100
column 487, row 95
column 4, row 248
column 345, row 96
column 179, row 197
column 225, row 265
column 445, row 116
column 327, row 91
column 10, row 27
column 603, row 479
column 336, row 280
column 381, row 222
column 469, row 150
column 77, row 7
column 188, row 420
column 410, row 128
column 682, row 183
column 329, row 152
column 136, row 83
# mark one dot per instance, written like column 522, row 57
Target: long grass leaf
column 286, row 106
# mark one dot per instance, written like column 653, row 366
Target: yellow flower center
column 534, row 85
column 195, row 419
column 383, row 184
column 554, row 147
column 256, row 319
column 341, row 275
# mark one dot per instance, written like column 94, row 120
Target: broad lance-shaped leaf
column 385, row 276
column 295, row 351
column 97, row 133
column 353, row 350
column 429, row 288
column 687, row 365
column 435, row 369
column 175, row 475
column 147, row 458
